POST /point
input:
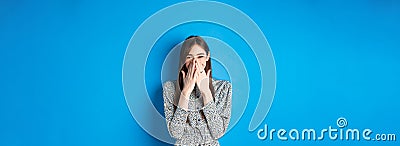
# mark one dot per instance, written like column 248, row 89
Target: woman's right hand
column 189, row 79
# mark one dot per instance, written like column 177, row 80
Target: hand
column 203, row 82
column 203, row 79
column 189, row 79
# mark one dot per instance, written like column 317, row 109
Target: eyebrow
column 197, row 54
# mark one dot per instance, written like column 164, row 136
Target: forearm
column 177, row 124
column 207, row 97
column 184, row 101
column 214, row 121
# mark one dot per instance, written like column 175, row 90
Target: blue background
column 61, row 66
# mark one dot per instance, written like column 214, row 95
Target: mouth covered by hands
column 196, row 75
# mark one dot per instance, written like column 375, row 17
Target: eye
column 200, row 56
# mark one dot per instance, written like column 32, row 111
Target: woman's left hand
column 203, row 82
column 203, row 79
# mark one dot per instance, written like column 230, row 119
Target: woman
column 197, row 107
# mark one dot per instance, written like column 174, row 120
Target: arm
column 218, row 112
column 175, row 116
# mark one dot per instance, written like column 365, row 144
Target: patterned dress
column 200, row 124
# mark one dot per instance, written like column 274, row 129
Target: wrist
column 203, row 85
column 183, row 102
column 207, row 97
column 185, row 93
column 206, row 92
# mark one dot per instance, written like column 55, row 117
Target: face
column 199, row 55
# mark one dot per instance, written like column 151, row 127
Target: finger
column 193, row 69
column 190, row 70
column 196, row 76
column 198, row 66
column 209, row 73
column 183, row 74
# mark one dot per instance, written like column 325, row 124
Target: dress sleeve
column 174, row 115
column 218, row 112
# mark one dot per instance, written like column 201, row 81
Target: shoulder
column 169, row 91
column 169, row 84
column 223, row 92
column 221, row 84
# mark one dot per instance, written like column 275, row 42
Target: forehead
column 196, row 49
